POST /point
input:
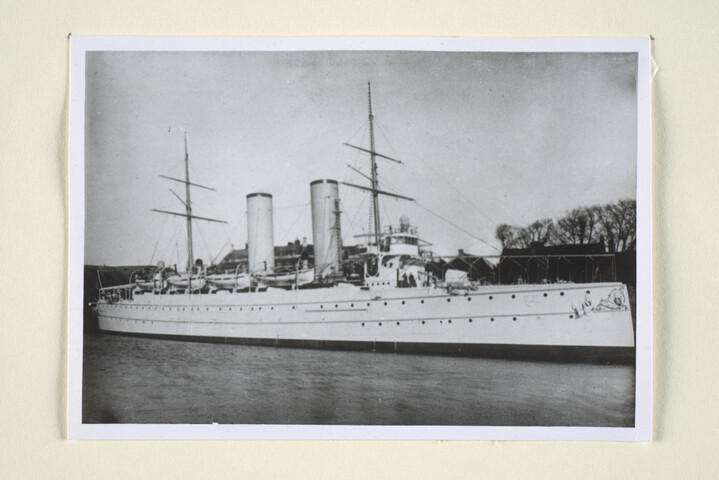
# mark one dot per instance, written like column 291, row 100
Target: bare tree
column 625, row 223
column 540, row 231
column 578, row 226
column 618, row 222
column 507, row 235
column 513, row 236
column 615, row 222
column 593, row 227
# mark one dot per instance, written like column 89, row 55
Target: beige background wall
column 33, row 109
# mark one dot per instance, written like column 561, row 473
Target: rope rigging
column 456, row 226
column 436, row 174
column 392, row 188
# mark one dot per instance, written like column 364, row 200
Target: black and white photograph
column 359, row 238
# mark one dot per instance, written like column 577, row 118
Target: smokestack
column 326, row 233
column 260, row 235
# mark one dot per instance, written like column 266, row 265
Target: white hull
column 557, row 315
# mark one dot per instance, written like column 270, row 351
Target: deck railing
column 117, row 292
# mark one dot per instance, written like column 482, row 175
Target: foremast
column 375, row 193
column 374, row 189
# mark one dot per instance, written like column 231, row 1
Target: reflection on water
column 138, row 380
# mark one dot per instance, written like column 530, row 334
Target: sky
column 485, row 139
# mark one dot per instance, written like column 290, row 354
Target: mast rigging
column 376, row 192
column 188, row 207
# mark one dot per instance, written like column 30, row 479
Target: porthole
column 588, row 291
column 352, row 304
column 571, row 316
column 449, row 321
column 514, row 319
column 293, row 307
column 220, row 308
column 380, row 324
column 402, row 302
column 561, row 294
column 385, row 303
column 272, row 308
column 470, row 320
column 469, row 299
column 322, row 306
column 545, row 294
column 490, row 297
column 335, row 305
column 230, row 308
column 207, row 309
column 449, row 299
column 422, row 322
column 363, row 324
column 368, row 304
column 259, row 308
column 421, row 301
column 252, row 308
column 491, row 319
column 397, row 323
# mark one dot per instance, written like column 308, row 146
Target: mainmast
column 188, row 209
column 187, row 202
column 373, row 179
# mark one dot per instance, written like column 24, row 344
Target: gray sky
column 486, row 138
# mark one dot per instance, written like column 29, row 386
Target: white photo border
column 79, row 45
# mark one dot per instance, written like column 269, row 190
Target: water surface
column 142, row 380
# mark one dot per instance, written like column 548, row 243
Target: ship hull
column 559, row 320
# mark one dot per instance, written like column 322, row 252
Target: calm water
column 138, row 380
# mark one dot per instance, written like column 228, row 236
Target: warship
column 391, row 303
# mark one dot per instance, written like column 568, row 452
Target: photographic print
column 359, row 238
